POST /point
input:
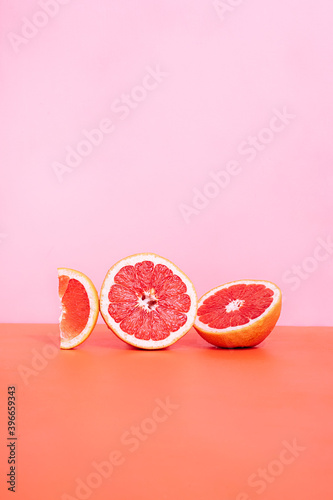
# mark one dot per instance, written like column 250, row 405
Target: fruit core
column 148, row 301
column 234, row 305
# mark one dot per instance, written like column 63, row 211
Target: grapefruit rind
column 250, row 334
column 94, row 308
column 114, row 326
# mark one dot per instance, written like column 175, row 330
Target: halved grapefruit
column 80, row 307
column 147, row 301
column 238, row 314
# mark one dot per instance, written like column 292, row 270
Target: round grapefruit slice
column 238, row 314
column 80, row 307
column 147, row 301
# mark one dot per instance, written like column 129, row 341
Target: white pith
column 234, row 305
column 144, row 302
column 131, row 339
column 92, row 314
column 268, row 284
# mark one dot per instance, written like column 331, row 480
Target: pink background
column 223, row 77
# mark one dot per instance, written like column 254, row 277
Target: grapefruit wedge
column 147, row 301
column 238, row 314
column 80, row 307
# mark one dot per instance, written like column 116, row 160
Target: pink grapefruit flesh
column 147, row 301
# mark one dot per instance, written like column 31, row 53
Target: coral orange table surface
column 107, row 421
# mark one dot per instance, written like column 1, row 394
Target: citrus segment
column 80, row 307
column 75, row 302
column 147, row 301
column 238, row 314
column 63, row 284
